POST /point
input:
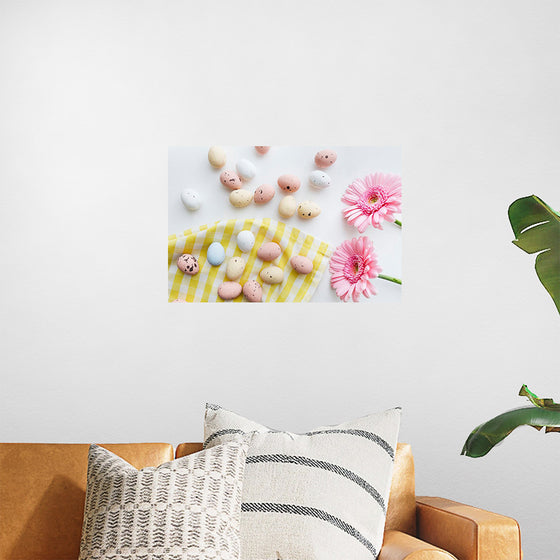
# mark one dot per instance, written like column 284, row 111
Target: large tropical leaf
column 536, row 227
column 537, row 401
column 545, row 413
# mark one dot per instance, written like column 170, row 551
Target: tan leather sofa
column 42, row 491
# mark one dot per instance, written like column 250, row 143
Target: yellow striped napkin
column 204, row 285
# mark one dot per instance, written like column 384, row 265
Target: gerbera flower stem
column 390, row 279
column 398, row 222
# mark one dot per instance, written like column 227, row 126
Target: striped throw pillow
column 187, row 509
column 316, row 496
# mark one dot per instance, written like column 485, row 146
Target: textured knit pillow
column 187, row 509
column 321, row 495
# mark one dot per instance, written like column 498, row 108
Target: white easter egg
column 319, row 180
column 191, row 199
column 245, row 240
column 246, row 169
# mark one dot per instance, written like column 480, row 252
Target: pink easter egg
column 289, row 183
column 231, row 180
column 269, row 251
column 325, row 158
column 301, row 264
column 264, row 194
column 229, row 290
column 252, row 290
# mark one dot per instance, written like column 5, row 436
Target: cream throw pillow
column 321, row 495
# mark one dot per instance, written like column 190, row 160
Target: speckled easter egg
column 229, row 290
column 269, row 251
column 235, row 268
column 191, row 200
column 215, row 254
column 325, row 158
column 308, row 210
column 246, row 169
column 245, row 240
column 272, row 275
column 252, row 290
column 231, row 180
column 287, row 207
column 188, row 264
column 289, row 183
column 217, row 157
column 240, row 198
column 262, row 149
column 264, row 194
column 319, row 180
column 301, row 264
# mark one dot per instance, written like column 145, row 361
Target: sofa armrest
column 401, row 546
column 467, row 532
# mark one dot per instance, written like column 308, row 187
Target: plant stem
column 390, row 279
column 398, row 222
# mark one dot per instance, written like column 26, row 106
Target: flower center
column 372, row 200
column 354, row 269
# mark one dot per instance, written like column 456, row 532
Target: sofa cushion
column 42, row 492
column 322, row 494
column 186, row 509
column 401, row 510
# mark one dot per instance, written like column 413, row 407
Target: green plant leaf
column 537, row 401
column 483, row 438
column 545, row 413
column 536, row 227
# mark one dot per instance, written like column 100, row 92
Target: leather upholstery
column 401, row 509
column 400, row 546
column 42, row 492
column 187, row 448
column 467, row 532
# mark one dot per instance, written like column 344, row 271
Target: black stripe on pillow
column 311, row 512
column 315, row 463
column 360, row 433
column 221, row 433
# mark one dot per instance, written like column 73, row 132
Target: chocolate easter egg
column 325, row 158
column 264, row 194
column 252, row 290
column 301, row 264
column 289, row 183
column 229, row 290
column 269, row 251
column 188, row 264
column 231, row 180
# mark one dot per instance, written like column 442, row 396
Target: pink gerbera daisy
column 352, row 266
column 372, row 199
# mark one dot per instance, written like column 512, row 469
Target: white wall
column 94, row 92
